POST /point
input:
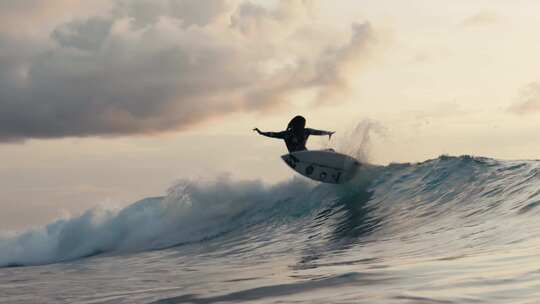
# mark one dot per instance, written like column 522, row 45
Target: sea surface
column 449, row 230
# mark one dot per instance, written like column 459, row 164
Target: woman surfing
column 296, row 134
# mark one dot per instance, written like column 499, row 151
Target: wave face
column 461, row 203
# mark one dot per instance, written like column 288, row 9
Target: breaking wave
column 463, row 203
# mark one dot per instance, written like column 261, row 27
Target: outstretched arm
column 320, row 132
column 271, row 134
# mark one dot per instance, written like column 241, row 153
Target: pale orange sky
column 436, row 77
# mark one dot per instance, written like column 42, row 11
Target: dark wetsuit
column 295, row 140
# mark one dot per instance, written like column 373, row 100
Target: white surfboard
column 324, row 166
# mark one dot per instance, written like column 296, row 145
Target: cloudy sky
column 108, row 101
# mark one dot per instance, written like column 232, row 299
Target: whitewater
column 448, row 230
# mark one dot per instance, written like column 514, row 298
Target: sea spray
column 358, row 142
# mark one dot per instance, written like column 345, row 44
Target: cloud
column 153, row 66
column 37, row 17
column 84, row 35
column 483, row 18
column 148, row 12
column 529, row 100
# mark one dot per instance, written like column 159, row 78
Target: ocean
column 448, row 230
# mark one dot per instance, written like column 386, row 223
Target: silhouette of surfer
column 296, row 134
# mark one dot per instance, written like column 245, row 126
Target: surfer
column 296, row 134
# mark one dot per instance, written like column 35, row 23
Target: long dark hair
column 297, row 123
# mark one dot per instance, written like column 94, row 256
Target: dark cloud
column 529, row 100
column 153, row 66
column 85, row 35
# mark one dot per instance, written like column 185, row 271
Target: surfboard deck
column 324, row 166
